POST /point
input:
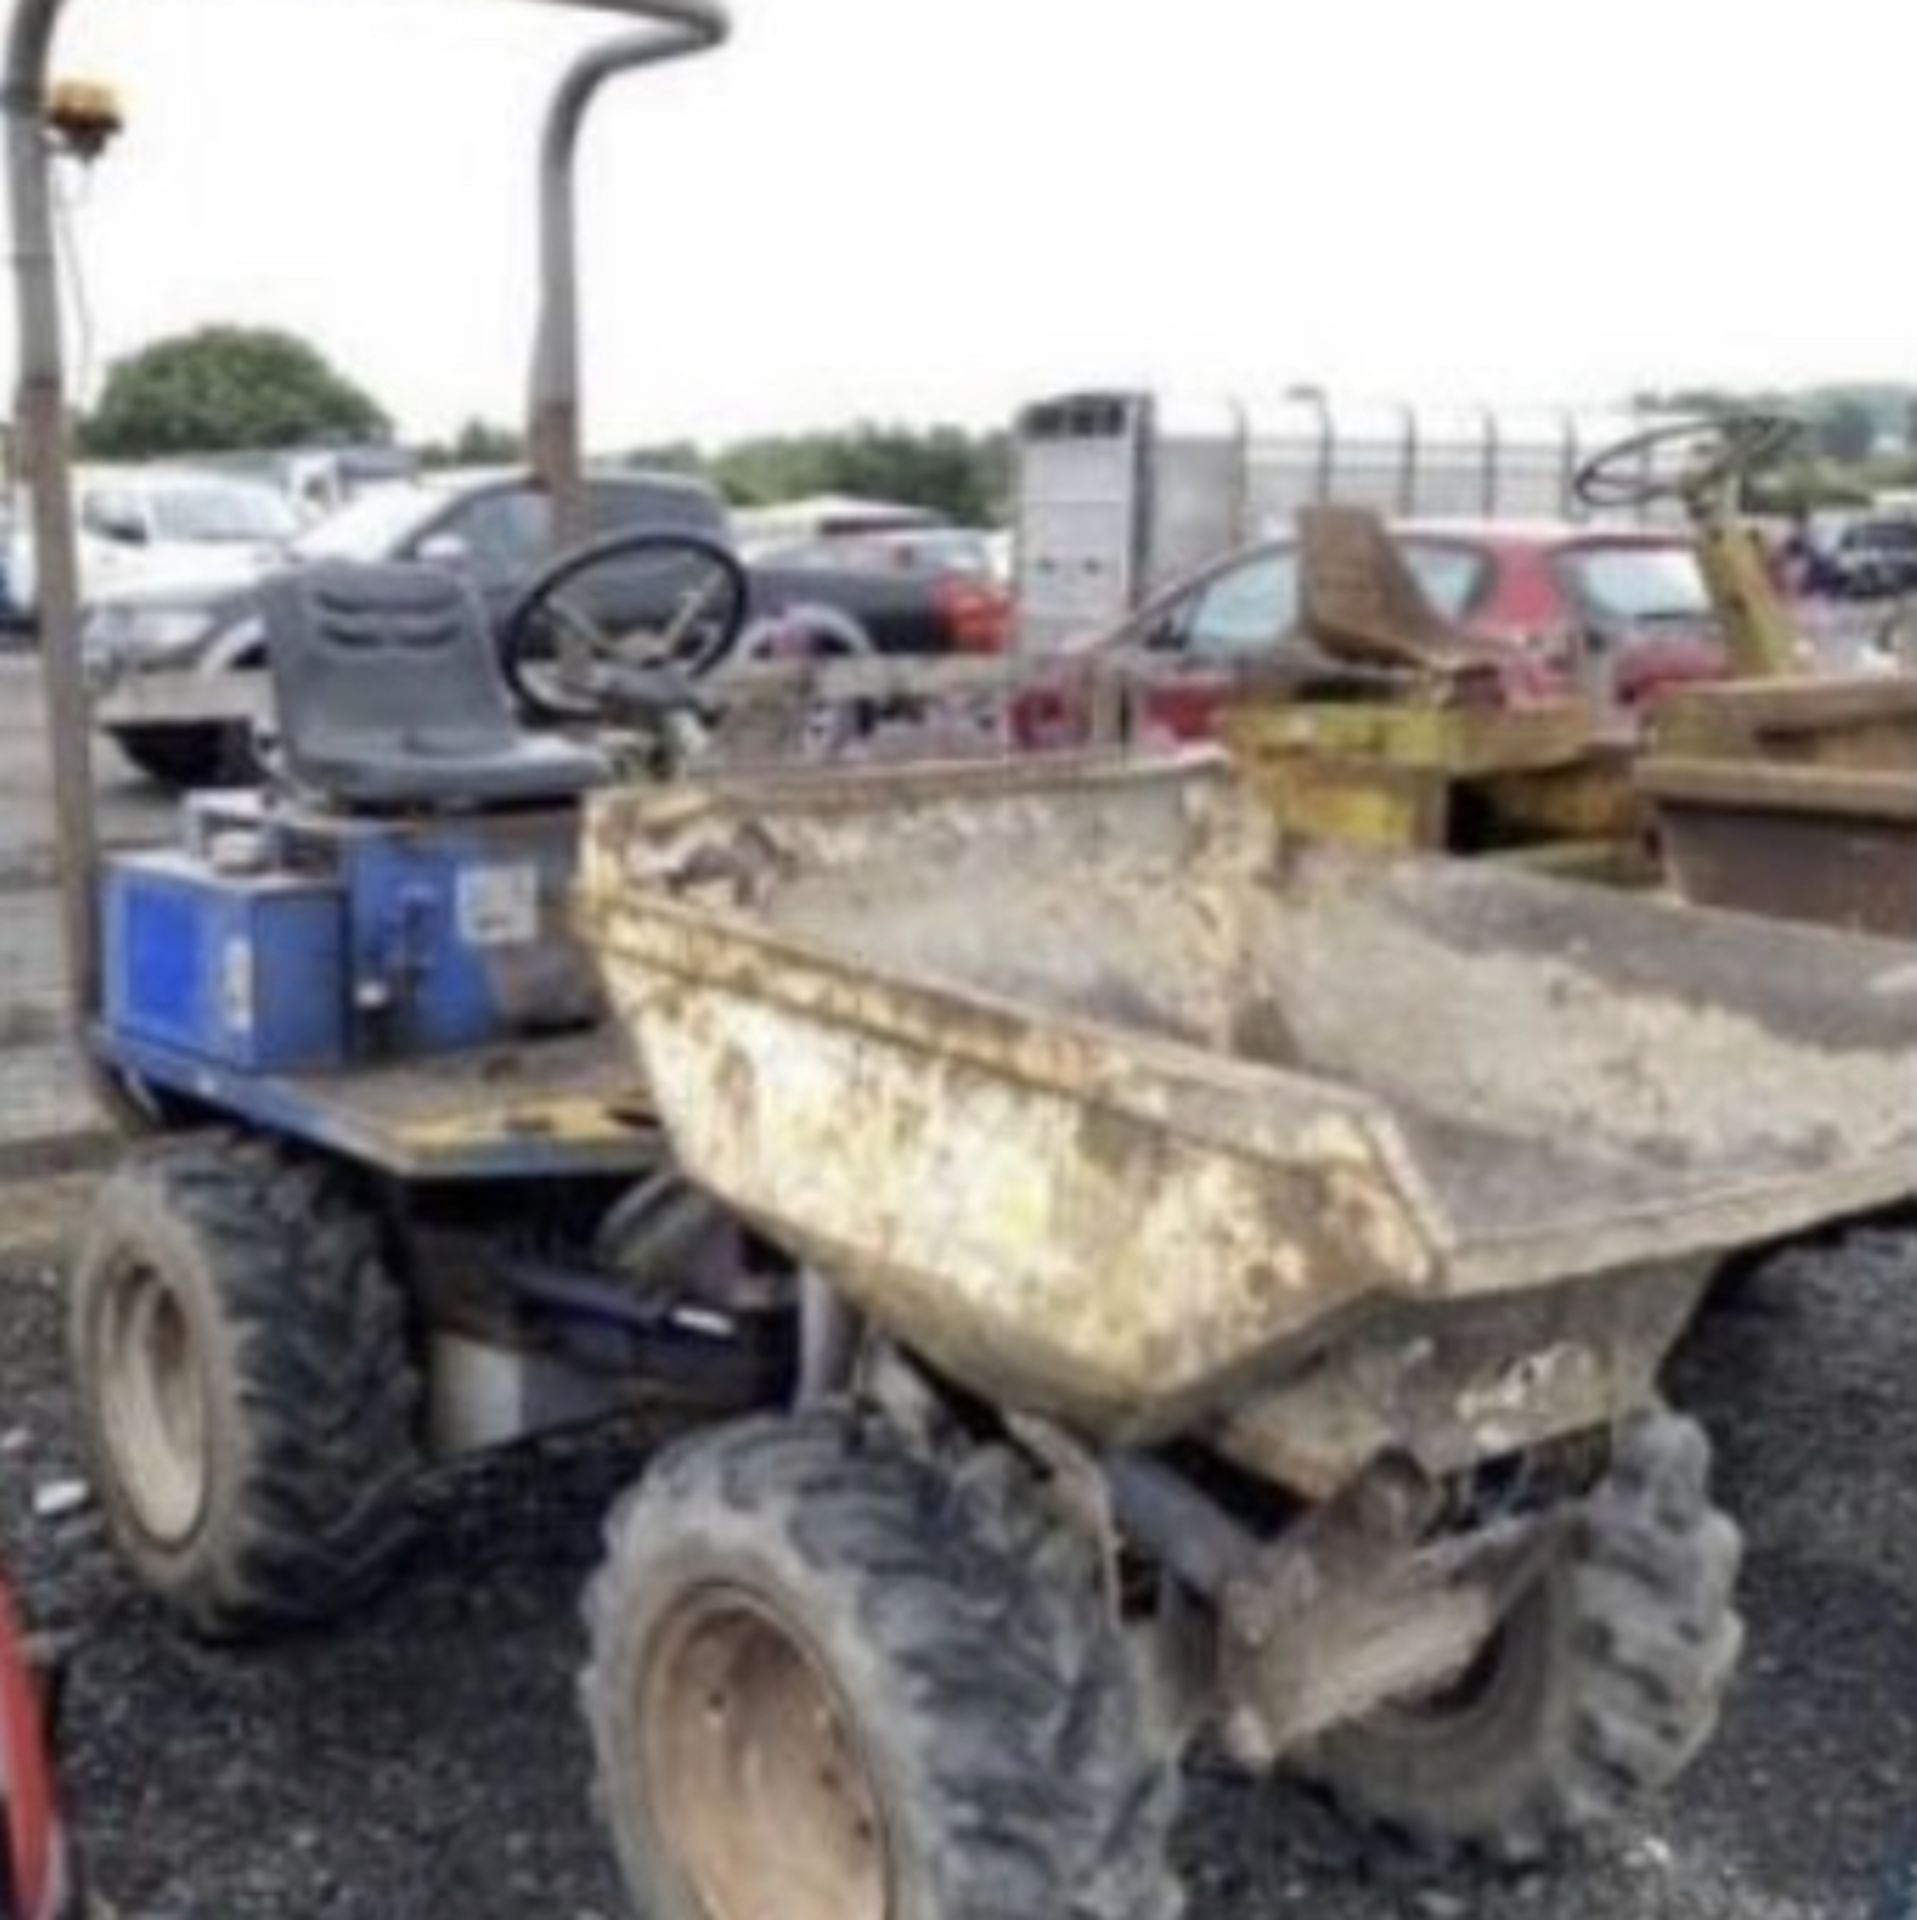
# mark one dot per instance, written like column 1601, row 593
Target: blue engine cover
column 248, row 971
column 338, row 940
column 460, row 933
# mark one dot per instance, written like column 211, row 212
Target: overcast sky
column 936, row 208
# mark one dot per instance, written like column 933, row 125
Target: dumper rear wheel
column 1603, row 1684
column 239, row 1355
column 830, row 1682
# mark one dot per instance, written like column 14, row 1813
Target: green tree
column 227, row 389
column 670, row 456
column 1707, row 401
column 479, row 443
column 1848, row 424
column 1847, row 431
column 944, row 469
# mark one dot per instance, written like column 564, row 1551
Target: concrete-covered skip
column 1119, row 1107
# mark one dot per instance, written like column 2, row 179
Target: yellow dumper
column 1795, row 798
column 1778, row 793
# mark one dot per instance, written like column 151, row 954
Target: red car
column 1549, row 593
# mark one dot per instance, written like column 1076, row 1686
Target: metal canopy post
column 682, row 28
column 675, row 27
column 45, row 458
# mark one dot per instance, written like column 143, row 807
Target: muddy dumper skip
column 1256, row 1265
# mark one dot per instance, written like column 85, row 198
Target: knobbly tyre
column 1235, row 1278
column 1079, row 1338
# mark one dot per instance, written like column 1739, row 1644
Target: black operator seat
column 390, row 695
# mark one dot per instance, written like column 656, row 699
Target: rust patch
column 1261, row 1032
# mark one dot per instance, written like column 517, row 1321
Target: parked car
column 152, row 527
column 14, row 618
column 762, row 531
column 1543, row 594
column 964, row 552
column 1867, row 559
column 175, row 668
column 316, row 481
column 958, row 566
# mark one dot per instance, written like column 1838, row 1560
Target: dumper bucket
column 1102, row 1094
column 1796, row 799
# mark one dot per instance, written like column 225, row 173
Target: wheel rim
column 1481, row 1695
column 762, row 1792
column 153, row 1405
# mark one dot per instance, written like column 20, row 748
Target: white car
column 145, row 527
column 315, row 481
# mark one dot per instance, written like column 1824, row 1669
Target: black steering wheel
column 670, row 610
column 1686, row 460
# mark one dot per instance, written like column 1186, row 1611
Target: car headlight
column 119, row 639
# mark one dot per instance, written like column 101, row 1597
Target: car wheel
column 192, row 755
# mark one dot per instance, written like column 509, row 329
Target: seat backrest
column 379, row 670
column 1360, row 602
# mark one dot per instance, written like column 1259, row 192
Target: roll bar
column 554, row 438
column 671, row 29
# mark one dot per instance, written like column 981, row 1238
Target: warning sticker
column 498, row 906
column 236, row 986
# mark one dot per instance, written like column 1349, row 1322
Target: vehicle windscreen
column 1250, row 608
column 1884, row 536
column 216, row 514
column 1628, row 585
column 372, row 527
column 922, row 556
column 620, row 506
column 1452, row 578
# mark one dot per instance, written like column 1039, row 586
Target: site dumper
column 1413, row 738
column 1118, row 1272
column 1256, row 1266
column 1783, row 792
column 1779, row 792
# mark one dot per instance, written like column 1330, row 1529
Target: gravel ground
column 426, row 1760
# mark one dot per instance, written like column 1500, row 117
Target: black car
column 1872, row 559
column 14, row 618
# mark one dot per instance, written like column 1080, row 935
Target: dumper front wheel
column 1603, row 1684
column 831, row 1682
column 239, row 1356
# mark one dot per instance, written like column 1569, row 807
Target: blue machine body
column 246, row 971
column 279, row 940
